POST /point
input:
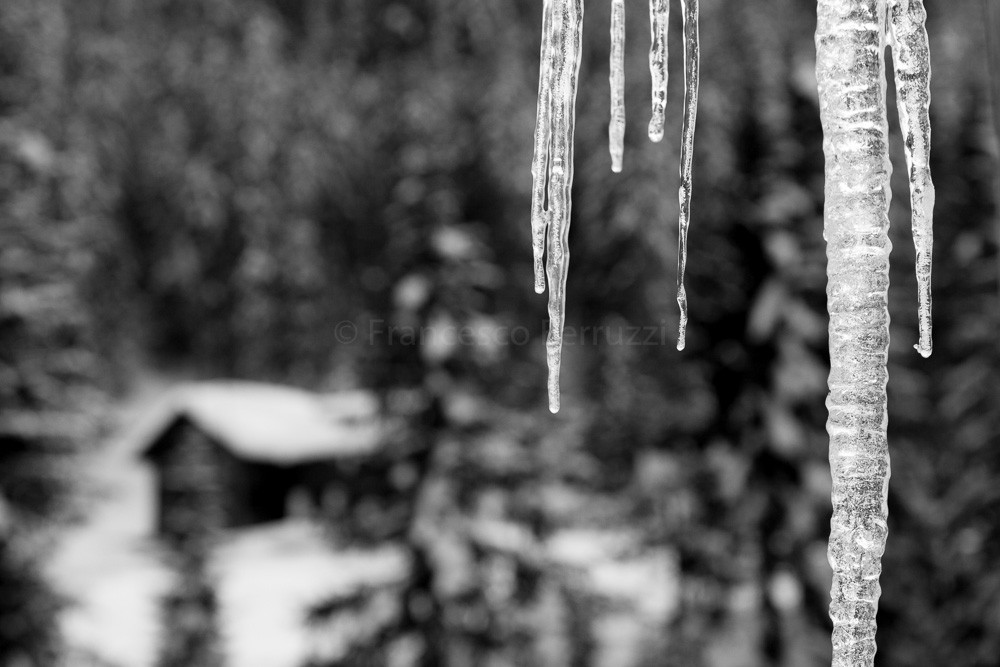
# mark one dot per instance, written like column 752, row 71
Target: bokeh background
column 333, row 195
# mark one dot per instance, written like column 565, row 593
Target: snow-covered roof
column 270, row 423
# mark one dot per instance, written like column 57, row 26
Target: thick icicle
column 911, row 61
column 850, row 68
column 616, row 127
column 543, row 139
column 568, row 24
column 659, row 13
column 692, row 67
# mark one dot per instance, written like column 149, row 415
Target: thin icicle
column 543, row 139
column 850, row 68
column 911, row 61
column 692, row 68
column 568, row 24
column 659, row 13
column 616, row 128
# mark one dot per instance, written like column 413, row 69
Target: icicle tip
column 655, row 131
column 682, row 327
column 925, row 349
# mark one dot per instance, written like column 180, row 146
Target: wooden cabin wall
column 238, row 492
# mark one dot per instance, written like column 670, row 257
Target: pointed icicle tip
column 912, row 70
column 692, row 69
column 554, row 398
column 655, row 131
column 682, row 326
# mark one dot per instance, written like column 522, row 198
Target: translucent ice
column 911, row 61
column 543, row 139
column 851, row 39
column 552, row 167
column 692, row 69
column 659, row 14
column 552, row 160
column 616, row 127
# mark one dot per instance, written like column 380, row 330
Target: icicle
column 568, row 26
column 543, row 138
column 552, row 161
column 911, row 61
column 659, row 13
column 850, row 68
column 616, row 128
column 692, row 67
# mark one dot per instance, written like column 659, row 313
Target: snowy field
column 266, row 577
column 269, row 576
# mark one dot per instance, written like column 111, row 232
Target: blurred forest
column 219, row 186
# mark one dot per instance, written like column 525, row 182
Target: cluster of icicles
column 552, row 162
column 851, row 39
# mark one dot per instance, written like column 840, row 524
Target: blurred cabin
column 237, row 454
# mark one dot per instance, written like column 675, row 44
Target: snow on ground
column 645, row 581
column 106, row 566
column 647, row 578
column 267, row 577
column 270, row 576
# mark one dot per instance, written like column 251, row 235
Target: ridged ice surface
column 911, row 61
column 616, row 127
column 692, row 70
column 543, row 141
column 659, row 15
column 851, row 39
column 850, row 66
column 552, row 167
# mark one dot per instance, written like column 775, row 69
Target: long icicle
column 850, row 68
column 911, row 63
column 659, row 15
column 543, row 140
column 568, row 23
column 616, row 127
column 692, row 71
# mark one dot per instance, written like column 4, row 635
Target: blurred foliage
column 220, row 185
column 48, row 362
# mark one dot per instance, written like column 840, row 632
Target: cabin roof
column 268, row 422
